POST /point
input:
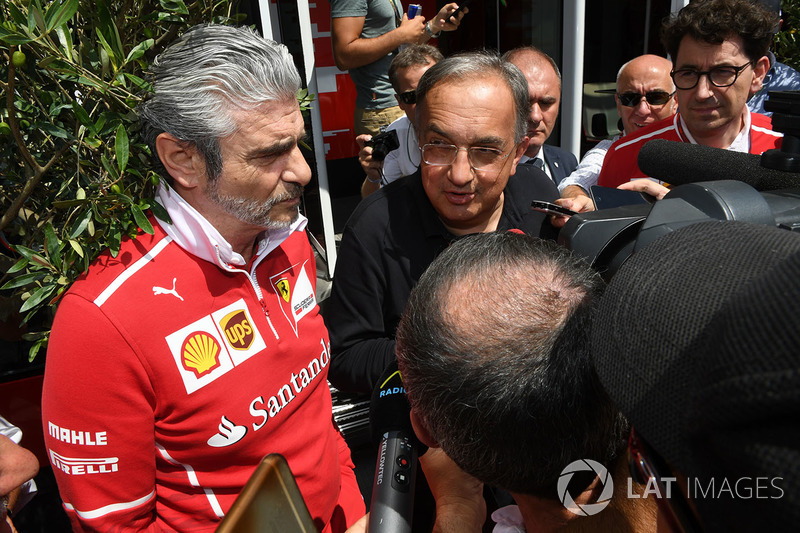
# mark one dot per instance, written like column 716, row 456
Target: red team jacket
column 621, row 165
column 173, row 368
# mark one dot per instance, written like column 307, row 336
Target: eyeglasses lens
column 480, row 158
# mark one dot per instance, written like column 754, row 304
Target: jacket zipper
column 251, row 276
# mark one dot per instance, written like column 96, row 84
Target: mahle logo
column 586, row 509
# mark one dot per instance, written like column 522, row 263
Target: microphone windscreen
column 679, row 163
column 389, row 409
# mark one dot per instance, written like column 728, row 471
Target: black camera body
column 606, row 238
column 383, row 143
column 748, row 188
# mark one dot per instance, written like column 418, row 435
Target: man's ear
column 182, row 160
column 518, row 153
column 421, row 431
column 760, row 70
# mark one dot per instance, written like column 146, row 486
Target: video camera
column 383, row 143
column 709, row 184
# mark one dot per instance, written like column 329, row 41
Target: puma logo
column 172, row 291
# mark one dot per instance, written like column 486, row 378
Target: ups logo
column 238, row 329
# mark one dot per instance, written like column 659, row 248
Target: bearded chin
column 253, row 212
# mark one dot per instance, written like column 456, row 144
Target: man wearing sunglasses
column 719, row 53
column 404, row 73
column 472, row 112
column 645, row 94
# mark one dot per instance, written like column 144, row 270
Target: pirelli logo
column 215, row 344
column 78, row 466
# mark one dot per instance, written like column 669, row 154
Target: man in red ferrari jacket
column 719, row 59
column 176, row 365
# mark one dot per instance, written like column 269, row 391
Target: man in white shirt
column 404, row 74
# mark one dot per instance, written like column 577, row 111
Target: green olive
column 18, row 59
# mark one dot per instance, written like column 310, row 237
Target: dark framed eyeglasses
column 408, row 97
column 652, row 97
column 480, row 157
column 687, row 78
column 644, row 464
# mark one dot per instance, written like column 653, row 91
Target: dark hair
column 412, row 56
column 494, row 352
column 203, row 75
column 477, row 66
column 713, row 21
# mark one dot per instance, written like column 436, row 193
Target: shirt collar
column 740, row 144
column 192, row 232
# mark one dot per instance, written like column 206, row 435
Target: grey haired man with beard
column 177, row 363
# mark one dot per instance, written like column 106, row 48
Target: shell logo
column 200, row 353
column 238, row 330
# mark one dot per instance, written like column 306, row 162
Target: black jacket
column 389, row 241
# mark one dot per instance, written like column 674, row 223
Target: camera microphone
column 679, row 163
column 392, row 501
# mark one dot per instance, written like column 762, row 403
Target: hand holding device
column 552, row 209
column 461, row 6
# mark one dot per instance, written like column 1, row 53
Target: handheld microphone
column 392, row 501
column 679, row 163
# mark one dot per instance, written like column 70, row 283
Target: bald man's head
column 643, row 75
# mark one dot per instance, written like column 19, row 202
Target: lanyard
column 398, row 14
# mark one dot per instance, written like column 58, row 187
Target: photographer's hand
column 442, row 20
column 373, row 169
column 647, row 186
column 579, row 202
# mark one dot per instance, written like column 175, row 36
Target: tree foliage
column 787, row 41
column 74, row 175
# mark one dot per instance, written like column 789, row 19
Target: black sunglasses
column 408, row 97
column 652, row 97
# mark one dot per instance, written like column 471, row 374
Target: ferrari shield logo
column 283, row 288
column 295, row 293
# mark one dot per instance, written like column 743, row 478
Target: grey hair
column 205, row 73
column 476, row 66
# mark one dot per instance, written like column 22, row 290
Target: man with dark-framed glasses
column 472, row 111
column 719, row 55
